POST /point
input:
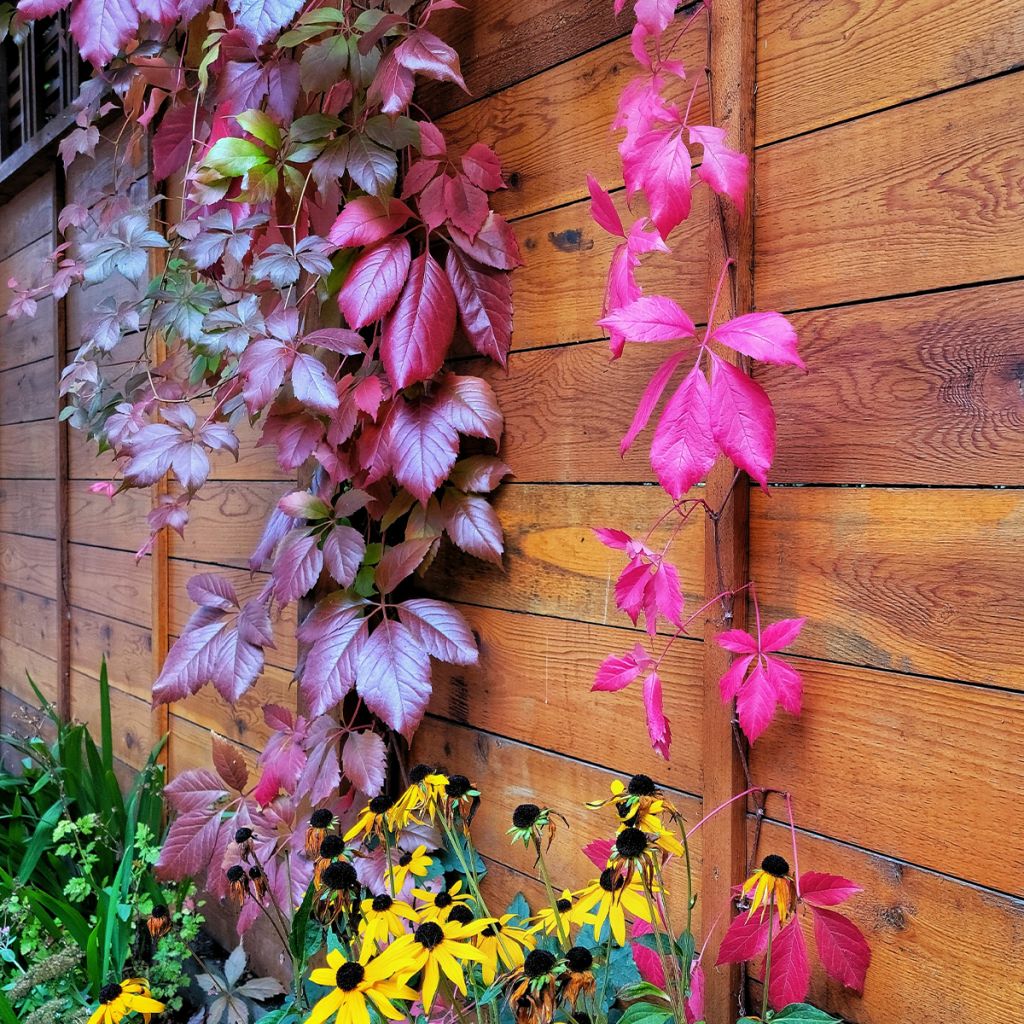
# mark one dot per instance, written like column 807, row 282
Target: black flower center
column 339, row 875
column 243, row 835
column 255, row 872
column 443, row 899
column 631, row 843
column 321, row 818
column 775, row 865
column 538, row 962
column 564, row 906
column 109, row 993
column 235, row 873
column 331, row 847
column 579, row 959
column 580, row 1018
column 611, row 880
column 492, row 929
column 349, row 975
column 641, row 785
column 461, row 914
column 458, row 786
column 419, row 773
column 405, row 859
column 382, row 902
column 382, row 804
column 160, row 910
column 525, row 815
column 429, row 935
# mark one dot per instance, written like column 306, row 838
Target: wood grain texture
column 553, row 563
column 27, row 216
column 28, row 620
column 553, row 129
column 819, row 63
column 26, row 451
column 28, row 563
column 27, row 393
column 534, row 677
column 926, row 195
column 95, row 519
column 559, row 291
column 27, row 507
column 915, row 581
column 504, row 41
column 910, row 766
column 920, row 970
column 110, row 582
column 18, row 665
column 131, row 715
column 190, row 748
column 126, row 646
column 27, row 339
column 924, row 390
column 509, row 773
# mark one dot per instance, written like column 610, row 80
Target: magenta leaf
column 344, row 548
column 647, row 961
column 495, row 244
column 297, row 566
column 650, row 318
column 424, row 446
column 781, row 634
column 478, row 474
column 602, row 209
column 312, row 384
column 469, row 405
column 598, row 851
column 842, row 948
column 364, row 761
column 481, row 165
column 189, row 847
column 399, row 562
column 791, row 967
column 755, row 703
column 419, row 329
column 825, row 890
column 473, row 524
column 650, row 398
column 102, row 28
column 658, row 163
column 766, row 336
column 440, row 630
column 746, row 938
column 726, row 170
column 375, row 282
column 683, row 449
column 424, row 53
column 742, row 420
column 618, row 540
column 335, row 630
column 366, row 220
column 393, row 677
column 484, row 300
column 465, row 205
column 194, row 789
column 617, row 671
column 694, row 1004
column 657, row 724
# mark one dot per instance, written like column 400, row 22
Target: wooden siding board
column 840, row 217
column 26, row 217
column 110, row 582
column 26, row 451
column 29, row 338
column 28, row 563
column 27, row 393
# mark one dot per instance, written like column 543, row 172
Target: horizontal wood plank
column 189, row 747
column 818, row 63
column 27, row 393
column 888, row 204
column 28, row 620
column 29, row 338
column 27, row 507
column 134, row 724
column 27, row 216
column 921, row 581
column 28, row 563
column 26, row 451
column 108, row 523
column 923, row 390
column 110, row 582
column 128, row 649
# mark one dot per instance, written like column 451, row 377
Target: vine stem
column 768, row 958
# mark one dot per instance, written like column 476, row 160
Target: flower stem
column 563, row 932
column 768, row 958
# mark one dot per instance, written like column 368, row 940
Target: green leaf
column 312, row 127
column 803, row 1013
column 7, row 1015
column 41, row 838
column 259, row 123
column 235, row 157
column 323, row 64
column 396, row 133
column 642, row 990
column 645, row 1013
column 520, row 908
column 300, row 925
column 106, row 728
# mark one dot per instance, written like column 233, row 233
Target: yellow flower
column 547, row 919
column 638, row 803
column 426, row 793
column 383, row 918
column 499, row 941
column 437, row 906
column 131, row 996
column 379, row 981
column 416, row 863
column 609, row 897
column 771, row 886
column 373, row 819
column 437, row 947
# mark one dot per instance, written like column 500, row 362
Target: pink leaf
column 826, row 890
column 739, row 641
column 694, row 1004
column 322, row 775
column 659, row 164
column 297, row 566
column 786, row 683
column 481, row 165
column 466, row 205
column 742, row 420
column 781, row 634
column 367, row 220
column 440, row 630
column 618, row 540
column 652, row 394
column 731, row 681
column 343, row 553
column 393, row 677
column 263, row 18
column 368, row 394
column 312, row 384
column 189, row 664
column 617, row 671
column 419, row 329
column 746, row 938
column 724, row 169
column 495, row 244
column 602, row 209
column 337, row 339
column 472, row 524
column 650, row 318
column 755, row 704
column 423, row 445
column 190, row 844
column 375, row 282
column 469, row 405
column 392, row 85
column 842, row 949
column 791, row 967
column 683, row 450
column 598, row 851
column 102, row 27
column 647, row 961
column 212, row 591
column 478, row 473
column 766, row 336
column 422, row 51
column 195, row 789
column 328, row 671
column 400, row 561
column 262, row 369
column 657, row 724
column 364, row 761
column 484, row 300
column 655, row 15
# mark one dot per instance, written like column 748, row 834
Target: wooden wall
column 890, row 193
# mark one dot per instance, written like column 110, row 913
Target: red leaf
column 791, row 967
column 469, row 405
column 102, row 27
column 742, row 420
column 495, row 244
column 393, row 677
column 375, row 282
column 367, row 220
column 650, row 318
column 229, row 763
column 842, row 949
column 746, row 938
column 312, row 384
column 343, row 553
column 189, row 847
column 193, row 790
column 337, row 339
column 766, row 336
column 419, row 329
column 364, row 761
column 473, row 525
column 399, row 562
column 172, row 141
column 481, row 165
column 478, row 473
column 826, row 890
column 683, row 450
column 466, row 205
column 602, row 209
column 189, row 663
column 423, row 52
column 423, row 445
column 484, row 300
column 440, row 630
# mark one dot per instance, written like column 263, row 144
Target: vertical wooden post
column 61, row 473
column 731, row 77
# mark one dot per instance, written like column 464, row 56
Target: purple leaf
column 212, row 591
column 364, row 761
column 469, row 405
column 296, row 567
column 375, row 282
column 400, row 561
column 484, row 300
column 195, row 789
column 312, row 384
column 440, row 630
column 393, row 677
column 343, row 553
column 423, row 445
column 472, row 523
